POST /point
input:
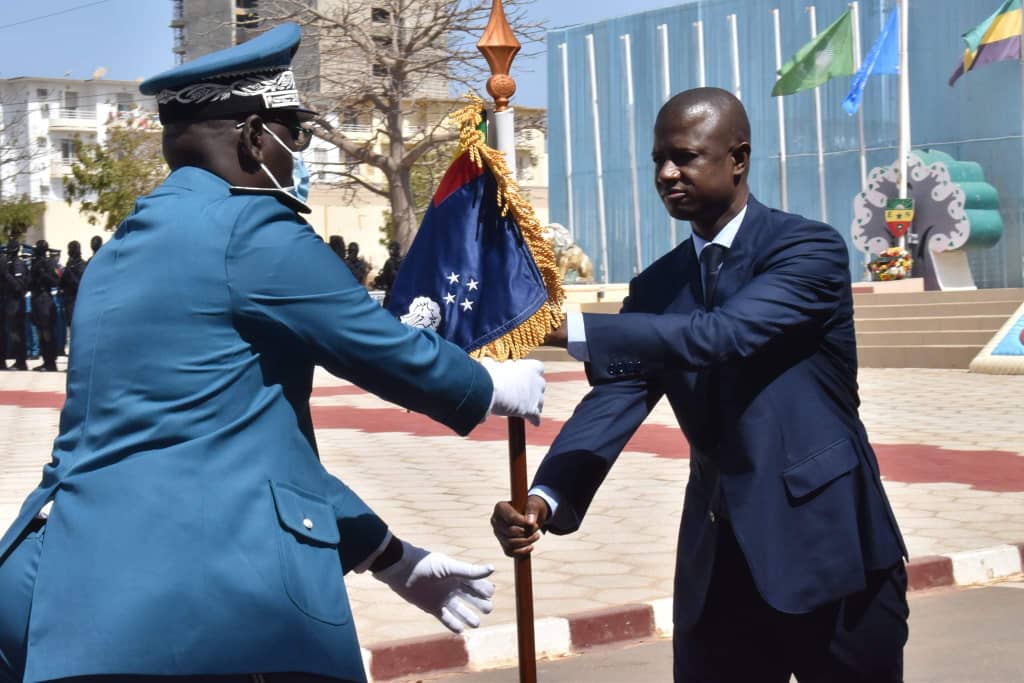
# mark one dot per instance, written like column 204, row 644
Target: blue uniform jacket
column 764, row 387
column 194, row 529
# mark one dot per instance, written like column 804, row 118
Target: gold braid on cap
column 518, row 342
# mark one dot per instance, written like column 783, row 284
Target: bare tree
column 20, row 155
column 385, row 71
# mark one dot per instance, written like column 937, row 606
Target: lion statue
column 568, row 255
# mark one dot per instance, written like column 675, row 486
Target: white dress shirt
column 577, row 333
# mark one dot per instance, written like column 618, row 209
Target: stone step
column 989, row 323
column 941, row 356
column 924, row 338
column 961, row 308
column 974, row 295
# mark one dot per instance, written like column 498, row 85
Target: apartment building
column 40, row 119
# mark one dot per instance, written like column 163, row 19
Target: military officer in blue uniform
column 185, row 526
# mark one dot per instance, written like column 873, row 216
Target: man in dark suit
column 789, row 558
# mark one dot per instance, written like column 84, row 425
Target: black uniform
column 69, row 281
column 3, row 308
column 16, row 280
column 45, row 276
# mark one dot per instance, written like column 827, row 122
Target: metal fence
column 978, row 120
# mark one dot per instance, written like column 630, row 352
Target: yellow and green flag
column 996, row 39
column 827, row 56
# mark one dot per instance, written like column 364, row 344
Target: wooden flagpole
column 499, row 46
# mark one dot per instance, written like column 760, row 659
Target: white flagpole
column 855, row 16
column 597, row 158
column 780, row 105
column 904, row 134
column 666, row 92
column 568, row 135
column 698, row 26
column 817, row 121
column 631, row 124
column 734, row 38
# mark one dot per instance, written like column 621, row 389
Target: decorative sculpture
column 569, row 257
column 954, row 209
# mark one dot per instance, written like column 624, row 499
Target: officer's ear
column 253, row 140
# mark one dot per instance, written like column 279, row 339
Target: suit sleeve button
column 711, row 516
column 308, row 523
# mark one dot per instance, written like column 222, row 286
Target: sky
column 131, row 40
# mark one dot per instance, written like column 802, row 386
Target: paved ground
column 950, row 444
column 955, row 636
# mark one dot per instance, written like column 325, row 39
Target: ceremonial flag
column 828, row 55
column 479, row 272
column 994, row 40
column 882, row 58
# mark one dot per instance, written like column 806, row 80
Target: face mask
column 300, row 174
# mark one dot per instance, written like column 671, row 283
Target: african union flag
column 478, row 271
column 994, row 40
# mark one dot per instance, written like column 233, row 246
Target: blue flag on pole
column 882, row 58
column 472, row 272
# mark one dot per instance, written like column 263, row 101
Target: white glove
column 439, row 585
column 518, row 388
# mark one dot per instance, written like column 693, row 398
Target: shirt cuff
column 577, row 333
column 365, row 564
column 548, row 495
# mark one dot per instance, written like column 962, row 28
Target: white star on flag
column 453, row 278
column 467, row 305
column 472, row 284
column 449, row 298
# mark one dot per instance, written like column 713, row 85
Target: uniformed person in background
column 192, row 530
column 386, row 277
column 337, row 243
column 16, row 280
column 3, row 307
column 356, row 263
column 94, row 244
column 44, row 275
column 71, row 278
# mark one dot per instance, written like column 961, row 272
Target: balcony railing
column 83, row 114
column 60, row 166
column 356, row 129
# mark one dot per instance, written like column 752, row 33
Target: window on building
column 383, row 42
column 379, row 15
column 380, row 70
column 41, row 143
column 320, row 163
column 247, row 13
column 44, row 191
column 67, row 150
column 42, row 93
column 70, row 100
column 125, row 102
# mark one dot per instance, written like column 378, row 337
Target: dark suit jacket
column 764, row 387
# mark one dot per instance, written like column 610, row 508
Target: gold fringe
column 518, row 342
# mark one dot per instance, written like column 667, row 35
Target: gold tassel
column 518, row 342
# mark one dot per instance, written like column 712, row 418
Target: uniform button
column 308, row 523
column 711, row 516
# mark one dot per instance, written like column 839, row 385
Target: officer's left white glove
column 441, row 586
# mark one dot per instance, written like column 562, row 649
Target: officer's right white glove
column 518, row 388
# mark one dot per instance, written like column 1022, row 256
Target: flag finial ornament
column 499, row 47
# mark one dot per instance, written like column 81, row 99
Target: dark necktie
column 710, row 264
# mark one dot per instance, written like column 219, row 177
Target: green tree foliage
column 18, row 215
column 108, row 178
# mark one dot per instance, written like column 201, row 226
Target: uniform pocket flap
column 305, row 514
column 811, row 473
